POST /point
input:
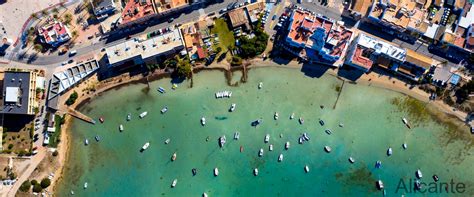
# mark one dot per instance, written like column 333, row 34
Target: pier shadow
column 350, row 74
column 314, row 70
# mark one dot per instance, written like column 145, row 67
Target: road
column 35, row 160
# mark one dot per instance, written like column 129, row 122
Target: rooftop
column 16, row 87
column 53, row 30
column 381, row 47
column 136, row 9
column 454, row 39
column 361, row 6
column 338, row 38
column 468, row 17
column 304, row 24
column 238, row 17
column 359, row 59
column 419, row 59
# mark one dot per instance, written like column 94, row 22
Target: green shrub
column 45, row 183
column 34, row 182
column 55, row 153
column 10, row 146
column 25, row 186
column 37, row 188
column 72, row 98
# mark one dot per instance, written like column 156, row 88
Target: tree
column 74, row 34
column 67, row 18
column 55, row 153
column 184, row 68
column 72, row 98
column 44, row 12
column 25, row 186
column 254, row 46
column 37, row 188
column 10, row 146
column 34, row 182
column 218, row 49
column 38, row 47
column 55, row 10
column 45, row 183
column 34, row 15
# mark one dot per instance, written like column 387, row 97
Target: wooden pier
column 80, row 116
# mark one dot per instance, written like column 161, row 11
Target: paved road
column 35, row 160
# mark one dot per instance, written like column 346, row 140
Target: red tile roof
column 51, row 31
column 360, row 60
column 201, row 53
column 137, row 9
column 303, row 25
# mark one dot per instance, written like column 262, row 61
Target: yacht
column 260, row 153
column 167, row 141
column 287, row 145
column 379, row 185
column 301, row 120
column 275, row 116
column 292, row 116
column 143, row 114
column 260, row 85
column 405, row 121
column 173, row 184
column 321, row 122
column 378, row 164
column 236, row 135
column 255, row 172
column 86, row 142
column 328, row 131
column 389, row 151
column 270, row 147
column 300, row 140
column 216, row 172
column 327, row 149
column 222, row 141
column 203, row 121
column 305, row 136
column 129, row 117
column 232, row 107
column 280, row 158
column 173, row 158
column 306, row 168
column 85, row 185
column 164, row 110
column 351, row 160
column 145, row 146
column 404, row 145
column 97, row 138
column 204, row 194
column 267, row 138
column 418, row 174
column 121, row 128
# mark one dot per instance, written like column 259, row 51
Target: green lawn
column 226, row 37
column 54, row 138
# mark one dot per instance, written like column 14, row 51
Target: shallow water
column 372, row 124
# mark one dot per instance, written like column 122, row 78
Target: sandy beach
column 85, row 94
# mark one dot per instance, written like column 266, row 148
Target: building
column 238, row 18
column 103, row 8
column 358, row 8
column 54, row 33
column 137, row 11
column 136, row 51
column 19, row 93
column 316, row 39
column 196, row 36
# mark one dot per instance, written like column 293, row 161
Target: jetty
column 339, row 94
column 80, row 116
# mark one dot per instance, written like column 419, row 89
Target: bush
column 10, row 146
column 22, row 153
column 72, row 98
column 236, row 61
column 45, row 183
column 255, row 46
column 25, row 186
column 37, row 188
column 34, row 182
column 55, row 153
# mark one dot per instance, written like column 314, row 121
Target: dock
column 339, row 94
column 80, row 116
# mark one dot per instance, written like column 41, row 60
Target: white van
column 72, row 53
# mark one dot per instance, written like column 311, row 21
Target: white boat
column 145, row 146
column 327, row 149
column 292, row 116
column 260, row 85
column 328, row 131
column 232, row 107
column 129, row 116
column 236, row 135
column 287, row 145
column 300, row 140
column 275, row 116
column 260, row 153
column 204, row 194
column 216, row 172
column 143, row 114
column 167, row 141
column 173, row 184
column 270, row 147
column 305, row 136
column 418, row 174
column 164, row 110
column 222, row 141
column 86, row 142
column 203, row 121
column 301, row 120
column 351, row 160
column 121, row 128
column 405, row 121
column 267, row 138
column 379, row 184
column 72, row 192
column 306, row 168
column 341, row 125
column 389, row 151
column 85, row 185
column 405, row 146
column 173, row 157
column 255, row 172
column 280, row 158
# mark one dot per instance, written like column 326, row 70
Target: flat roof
column 382, row 47
column 238, row 17
column 431, row 31
column 12, row 94
column 467, row 20
column 419, row 59
column 361, row 6
column 21, row 81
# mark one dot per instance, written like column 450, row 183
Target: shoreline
column 370, row 79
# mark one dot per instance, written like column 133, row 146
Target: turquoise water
column 115, row 167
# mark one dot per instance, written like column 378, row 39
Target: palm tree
column 44, row 12
column 34, row 15
column 38, row 47
column 55, row 10
column 74, row 34
column 67, row 18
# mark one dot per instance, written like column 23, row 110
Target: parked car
column 274, row 17
column 171, row 20
column 223, row 11
column 72, row 53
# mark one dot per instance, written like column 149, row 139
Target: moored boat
column 97, row 138
column 306, row 168
column 305, row 136
column 85, row 185
column 222, row 141
column 379, row 185
column 145, row 146
column 167, row 141
column 164, row 110
column 232, row 107
column 389, row 151
column 216, row 172
column 255, row 172
column 287, row 145
column 260, row 153
column 435, row 178
column 174, row 86
column 72, row 192
column 121, row 128
column 260, row 85
column 173, row 158
column 327, row 149
column 173, row 184
column 241, row 149
column 418, row 174
column 321, row 122
column 301, row 120
column 161, row 90
column 328, row 131
column 101, row 119
column 270, row 148
column 194, row 171
column 405, row 121
column 280, row 158
column 275, row 116
column 86, row 142
column 267, row 138
column 418, row 185
column 236, row 135
column 351, row 160
column 292, row 116
column 300, row 140
column 204, row 194
column 203, row 121
column 143, row 114
column 129, row 116
column 404, row 145
column 378, row 164
column 341, row 125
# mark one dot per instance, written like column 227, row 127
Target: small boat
column 72, row 192
column 341, row 125
column 241, row 149
column 328, row 131
column 418, row 174
column 256, row 122
column 101, row 120
column 173, row 158
column 97, row 138
column 379, row 185
column 351, row 160
column 222, row 141
column 85, row 185
column 129, row 117
column 232, row 107
column 260, row 153
column 86, row 142
column 216, row 172
column 161, row 90
column 301, row 120
column 287, row 145
column 173, row 184
column 306, row 168
column 405, row 121
column 167, row 141
column 321, row 122
column 300, row 140
column 270, row 148
column 204, row 194
column 404, row 145
column 174, row 86
column 275, row 116
column 306, row 137
column 389, row 151
column 327, row 149
column 145, row 146
column 260, row 85
column 267, row 138
column 255, row 172
column 143, row 114
column 435, row 178
column 280, row 158
column 164, row 110
column 292, row 116
column 378, row 164
column 417, row 185
column 194, row 171
column 121, row 128
column 236, row 135
column 203, row 121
